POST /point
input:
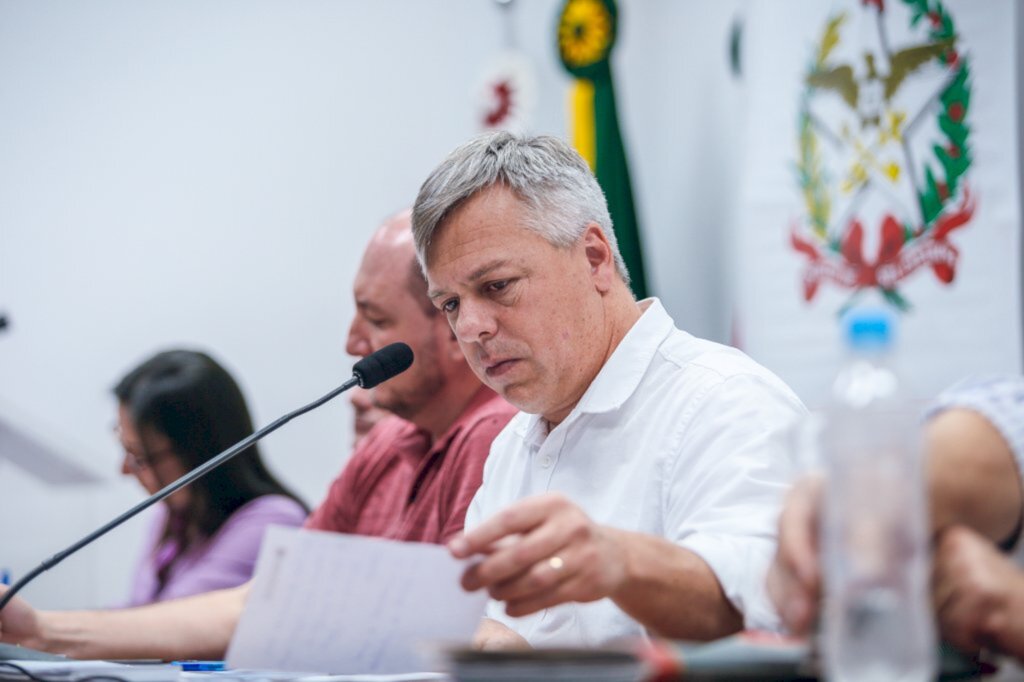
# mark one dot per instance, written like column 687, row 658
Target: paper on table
column 325, row 602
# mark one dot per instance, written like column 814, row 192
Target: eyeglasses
column 139, row 461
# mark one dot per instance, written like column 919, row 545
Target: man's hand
column 978, row 594
column 540, row 552
column 19, row 623
column 794, row 579
column 494, row 636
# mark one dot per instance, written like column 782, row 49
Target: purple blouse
column 225, row 560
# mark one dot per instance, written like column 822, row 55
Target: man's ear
column 599, row 255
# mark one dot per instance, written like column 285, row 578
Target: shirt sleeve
column 229, row 557
column 726, row 486
column 1000, row 400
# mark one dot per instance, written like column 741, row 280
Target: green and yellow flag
column 586, row 35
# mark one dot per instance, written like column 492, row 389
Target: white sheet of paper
column 332, row 603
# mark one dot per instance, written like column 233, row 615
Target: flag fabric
column 586, row 35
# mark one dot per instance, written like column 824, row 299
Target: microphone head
column 378, row 367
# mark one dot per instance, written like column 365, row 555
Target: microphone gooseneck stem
column 198, row 472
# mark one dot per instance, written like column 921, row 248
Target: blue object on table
column 200, row 665
column 5, row 576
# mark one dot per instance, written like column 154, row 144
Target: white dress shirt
column 676, row 437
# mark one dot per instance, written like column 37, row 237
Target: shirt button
column 546, row 461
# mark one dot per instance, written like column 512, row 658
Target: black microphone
column 372, row 370
column 380, row 366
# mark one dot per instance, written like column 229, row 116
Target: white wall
column 206, row 174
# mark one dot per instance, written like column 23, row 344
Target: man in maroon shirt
column 411, row 478
column 414, row 475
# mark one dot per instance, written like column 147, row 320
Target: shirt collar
column 621, row 374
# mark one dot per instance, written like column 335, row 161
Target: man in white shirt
column 638, row 490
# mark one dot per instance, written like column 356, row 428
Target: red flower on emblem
column 888, row 249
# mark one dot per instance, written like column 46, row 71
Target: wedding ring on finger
column 556, row 563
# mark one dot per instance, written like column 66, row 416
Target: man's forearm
column 972, row 476
column 194, row 627
column 672, row 591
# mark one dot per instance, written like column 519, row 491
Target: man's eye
column 450, row 305
column 498, row 286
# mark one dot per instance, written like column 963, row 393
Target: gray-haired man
column 645, row 473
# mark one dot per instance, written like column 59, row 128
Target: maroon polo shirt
column 400, row 485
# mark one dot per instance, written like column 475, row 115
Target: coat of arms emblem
column 883, row 149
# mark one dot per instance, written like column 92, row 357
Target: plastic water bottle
column 877, row 617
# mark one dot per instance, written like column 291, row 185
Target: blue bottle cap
column 869, row 329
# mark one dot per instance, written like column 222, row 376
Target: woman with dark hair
column 175, row 411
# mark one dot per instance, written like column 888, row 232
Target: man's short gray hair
column 545, row 173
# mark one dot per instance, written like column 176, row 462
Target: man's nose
column 474, row 322
column 357, row 343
